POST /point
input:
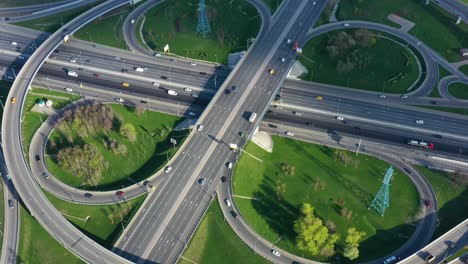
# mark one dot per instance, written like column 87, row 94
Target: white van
column 72, row 73
column 139, row 69
column 172, row 92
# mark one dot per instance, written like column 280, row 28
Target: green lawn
column 174, row 22
column 431, row 22
column 106, row 30
column 329, row 186
column 36, row 246
column 215, row 242
column 452, row 200
column 464, row 68
column 56, row 21
column 104, row 224
column 33, row 120
column 442, row 73
column 459, row 90
column 385, row 66
column 144, row 157
column 273, row 5
column 460, row 111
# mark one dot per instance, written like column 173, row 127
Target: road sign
column 173, row 141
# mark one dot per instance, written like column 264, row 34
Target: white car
column 192, row 113
column 229, row 165
column 276, row 253
column 73, row 60
column 68, row 89
column 193, row 64
column 168, row 169
column 382, row 96
column 283, row 59
column 118, row 99
column 132, row 21
column 20, row 57
column 13, row 43
column 156, row 84
column 117, row 58
column 403, row 96
column 313, row 3
column 9, row 77
column 346, row 25
column 228, row 203
column 340, row 118
column 289, row 133
column 188, row 89
column 419, row 121
column 199, row 127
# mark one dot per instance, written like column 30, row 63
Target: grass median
column 360, row 59
column 273, row 5
column 434, row 26
column 174, row 23
column 459, row 90
column 452, row 198
column 464, row 69
column 128, row 160
column 341, row 195
column 215, row 242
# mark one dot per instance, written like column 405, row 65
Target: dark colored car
column 223, row 179
column 88, row 195
column 202, row 73
column 96, row 75
column 201, row 181
column 227, row 91
column 234, row 214
column 233, row 88
column 38, row 158
column 427, row 203
column 10, row 203
column 46, row 175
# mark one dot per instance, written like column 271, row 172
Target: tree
column 351, row 252
column 128, row 131
column 312, row 235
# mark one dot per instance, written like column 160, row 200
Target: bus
column 421, row 143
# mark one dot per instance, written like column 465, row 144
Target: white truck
column 252, row 117
column 172, row 92
column 72, row 73
column 139, row 69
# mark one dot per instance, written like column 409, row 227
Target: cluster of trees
column 318, row 239
column 312, row 235
column 345, row 49
column 119, row 212
column 128, row 130
column 87, row 120
column 344, row 157
column 86, row 162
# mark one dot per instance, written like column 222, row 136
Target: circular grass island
column 174, row 22
column 340, row 187
column 110, row 146
column 361, row 59
column 459, row 90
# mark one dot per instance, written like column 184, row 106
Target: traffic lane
column 399, row 114
column 368, row 131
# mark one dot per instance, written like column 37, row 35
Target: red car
column 120, row 193
column 96, row 75
column 427, row 203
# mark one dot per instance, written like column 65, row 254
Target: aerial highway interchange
column 164, row 224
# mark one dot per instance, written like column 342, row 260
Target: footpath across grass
column 215, row 242
column 102, row 223
column 174, row 23
column 452, row 199
column 375, row 63
column 142, row 158
column 434, row 26
column 340, row 194
column 459, row 90
column 36, row 246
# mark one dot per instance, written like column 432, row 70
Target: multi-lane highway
column 39, row 206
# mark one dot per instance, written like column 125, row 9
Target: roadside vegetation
column 338, row 186
column 174, row 23
column 102, row 223
column 326, row 13
column 459, row 90
column 452, row 197
column 33, row 120
column 453, row 110
column 215, row 242
column 36, row 246
column 360, row 59
column 105, row 147
column 464, row 68
column 432, row 22
column 54, row 22
column 435, row 90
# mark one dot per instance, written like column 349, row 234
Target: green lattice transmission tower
column 382, row 200
column 203, row 26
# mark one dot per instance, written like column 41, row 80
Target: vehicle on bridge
column 13, row 100
column 421, row 143
column 172, row 92
column 72, row 73
column 125, row 84
column 252, row 117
